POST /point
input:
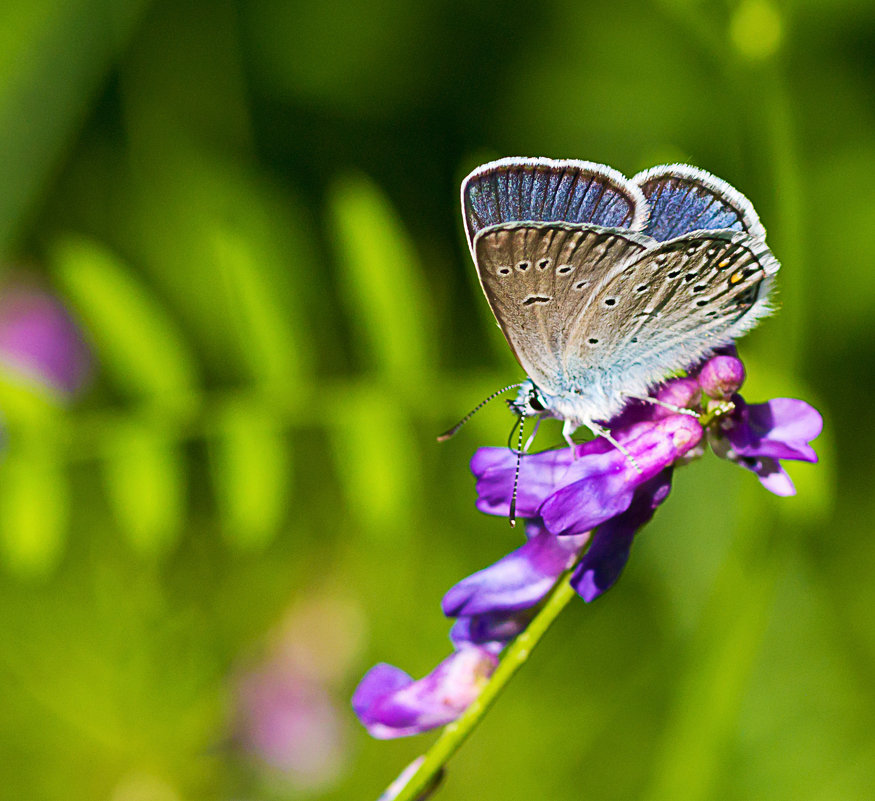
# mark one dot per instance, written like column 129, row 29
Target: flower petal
column 608, row 490
column 540, row 474
column 517, row 581
column 779, row 429
column 391, row 704
column 491, row 630
column 602, row 564
column 770, row 473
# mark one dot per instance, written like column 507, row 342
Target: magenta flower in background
column 291, row 723
column 40, row 340
column 287, row 716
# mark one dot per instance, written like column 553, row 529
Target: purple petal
column 608, row 489
column 517, row 581
column 778, row 429
column 540, row 474
column 604, row 561
column 492, row 630
column 770, row 473
column 391, row 704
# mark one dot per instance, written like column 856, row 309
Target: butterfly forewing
column 544, row 190
column 670, row 306
column 540, row 278
column 684, row 199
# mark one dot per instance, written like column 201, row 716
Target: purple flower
column 606, row 557
column 40, row 340
column 595, row 495
column 496, row 603
column 575, row 491
column 756, row 436
column 391, row 704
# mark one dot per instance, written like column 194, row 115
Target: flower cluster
column 583, row 508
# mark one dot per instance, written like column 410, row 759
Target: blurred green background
column 252, row 210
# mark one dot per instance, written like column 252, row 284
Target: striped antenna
column 516, row 474
column 447, row 434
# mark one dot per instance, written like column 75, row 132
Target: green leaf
column 34, row 504
column 145, row 477
column 262, row 322
column 252, row 470
column 377, row 458
column 136, row 340
column 381, row 282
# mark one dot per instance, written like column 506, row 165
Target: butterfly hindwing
column 547, row 190
column 683, row 198
column 669, row 307
column 539, row 278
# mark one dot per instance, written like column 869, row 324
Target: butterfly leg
column 603, row 432
column 675, row 409
column 531, row 438
column 568, row 428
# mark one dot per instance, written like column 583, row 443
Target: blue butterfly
column 604, row 286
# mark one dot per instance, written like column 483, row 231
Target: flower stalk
column 515, row 656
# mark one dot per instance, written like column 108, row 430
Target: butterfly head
column 530, row 401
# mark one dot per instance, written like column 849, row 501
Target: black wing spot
column 641, row 287
column 610, row 301
column 700, row 287
column 689, row 277
column 581, row 284
column 523, row 266
column 504, row 270
column 703, row 302
column 543, row 264
column 564, row 269
column 633, row 340
column 593, row 341
column 536, row 299
column 672, row 274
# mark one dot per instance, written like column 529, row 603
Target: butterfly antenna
column 449, row 433
column 516, row 473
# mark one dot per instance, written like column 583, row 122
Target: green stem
column 516, row 655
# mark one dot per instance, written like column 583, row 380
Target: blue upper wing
column 547, row 190
column 683, row 198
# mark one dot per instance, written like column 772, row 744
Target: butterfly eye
column 535, row 403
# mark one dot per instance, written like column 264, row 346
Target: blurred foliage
column 252, row 209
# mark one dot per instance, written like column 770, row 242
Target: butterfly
column 606, row 286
